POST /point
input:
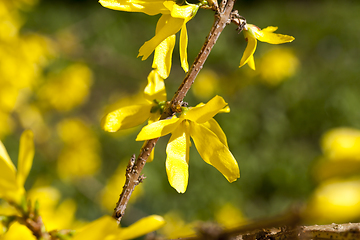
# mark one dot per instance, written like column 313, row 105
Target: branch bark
column 286, row 226
column 135, row 167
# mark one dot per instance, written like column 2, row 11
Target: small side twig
column 132, row 177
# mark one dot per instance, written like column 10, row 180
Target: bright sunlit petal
column 158, row 129
column 205, row 112
column 183, row 48
column 214, row 152
column 26, row 155
column 147, row 7
column 177, row 160
column 249, row 50
column 213, row 125
column 172, row 26
column 155, row 89
column 142, row 227
column 126, row 117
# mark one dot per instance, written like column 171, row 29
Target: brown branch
column 256, row 228
column 286, row 226
column 133, row 177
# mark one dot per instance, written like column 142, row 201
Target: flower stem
column 135, row 167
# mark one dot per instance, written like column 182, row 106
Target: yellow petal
column 251, row 62
column 163, row 52
column 183, row 48
column 249, row 51
column 177, row 160
column 26, row 155
column 185, row 12
column 103, row 228
column 148, row 7
column 274, row 38
column 269, row 29
column 126, row 117
column 9, row 189
column 6, row 161
column 213, row 125
column 172, row 26
column 203, row 113
column 158, row 129
column 8, row 185
column 142, row 227
column 18, row 231
column 155, row 88
column 214, row 152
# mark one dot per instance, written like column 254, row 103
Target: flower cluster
column 253, row 33
column 196, row 123
column 12, row 190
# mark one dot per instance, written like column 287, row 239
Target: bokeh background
column 293, row 125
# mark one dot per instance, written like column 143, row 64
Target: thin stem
column 135, row 167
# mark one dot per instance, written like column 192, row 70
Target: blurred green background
column 278, row 114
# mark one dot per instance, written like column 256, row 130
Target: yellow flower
column 106, row 228
column 341, row 143
column 277, row 65
column 335, row 201
column 68, row 89
column 173, row 19
column 253, row 33
column 79, row 157
column 206, row 84
column 12, row 181
column 341, row 148
column 131, row 116
column 209, row 139
column 18, row 231
column 228, row 216
column 176, row 227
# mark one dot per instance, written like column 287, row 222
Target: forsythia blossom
column 173, row 19
column 12, row 181
column 106, row 228
column 209, row 139
column 253, row 33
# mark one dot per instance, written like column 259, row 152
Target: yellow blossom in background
column 12, row 180
column 6, row 124
column 341, row 148
column 54, row 215
column 68, row 89
column 229, row 216
column 22, row 58
column 107, row 228
column 80, row 155
column 277, row 65
column 114, row 185
column 341, row 143
column 209, row 139
column 173, row 19
column 206, row 84
column 253, row 33
column 335, row 200
column 17, row 231
column 176, row 227
column 30, row 116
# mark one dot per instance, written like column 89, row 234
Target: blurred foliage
column 63, row 63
